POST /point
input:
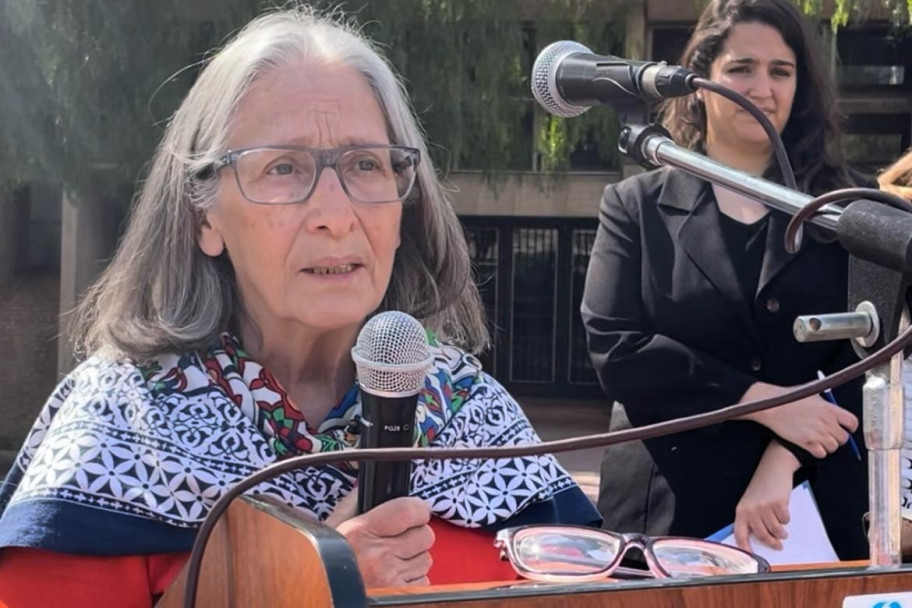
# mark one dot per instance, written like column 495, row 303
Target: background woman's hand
column 812, row 423
column 905, row 543
column 763, row 509
column 392, row 541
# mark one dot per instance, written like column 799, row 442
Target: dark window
column 873, row 141
column 534, row 292
column 878, row 57
column 40, row 248
column 483, row 242
column 588, row 154
column 668, row 42
column 581, row 371
column 531, row 273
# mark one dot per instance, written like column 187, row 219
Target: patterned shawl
column 128, row 458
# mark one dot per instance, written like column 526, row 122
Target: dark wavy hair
column 812, row 135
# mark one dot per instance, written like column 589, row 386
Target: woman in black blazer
column 690, row 295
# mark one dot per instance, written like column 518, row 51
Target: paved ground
column 561, row 418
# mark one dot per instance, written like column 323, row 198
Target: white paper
column 807, row 541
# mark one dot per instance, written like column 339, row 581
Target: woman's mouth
column 329, row 270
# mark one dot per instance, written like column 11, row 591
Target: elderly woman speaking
column 290, row 200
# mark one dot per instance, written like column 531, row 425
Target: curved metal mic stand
column 879, row 240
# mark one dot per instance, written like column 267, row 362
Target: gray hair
column 162, row 293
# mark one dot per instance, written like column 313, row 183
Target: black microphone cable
column 792, row 238
column 779, row 151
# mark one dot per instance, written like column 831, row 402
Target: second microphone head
column 544, row 78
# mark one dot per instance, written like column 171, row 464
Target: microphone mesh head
column 544, row 78
column 391, row 355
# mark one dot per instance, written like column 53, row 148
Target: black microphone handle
column 588, row 80
column 386, row 422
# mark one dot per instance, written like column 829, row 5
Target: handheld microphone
column 568, row 78
column 392, row 358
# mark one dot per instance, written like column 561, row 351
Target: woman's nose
column 329, row 207
column 761, row 87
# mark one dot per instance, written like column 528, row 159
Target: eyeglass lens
column 371, row 175
column 564, row 553
column 580, row 552
column 684, row 557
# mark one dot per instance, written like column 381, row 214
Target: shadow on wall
column 29, row 308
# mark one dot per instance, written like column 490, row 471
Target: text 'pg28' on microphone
column 392, row 359
column 567, row 79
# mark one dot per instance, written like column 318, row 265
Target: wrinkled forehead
column 316, row 104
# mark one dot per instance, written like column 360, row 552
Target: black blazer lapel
column 693, row 219
column 775, row 257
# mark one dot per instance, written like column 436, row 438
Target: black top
column 745, row 244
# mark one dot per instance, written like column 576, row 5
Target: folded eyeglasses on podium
column 567, row 553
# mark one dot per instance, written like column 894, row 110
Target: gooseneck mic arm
column 650, row 145
column 875, row 227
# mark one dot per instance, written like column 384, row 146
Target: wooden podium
column 799, row 589
column 264, row 554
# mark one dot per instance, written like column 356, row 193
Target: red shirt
column 34, row 578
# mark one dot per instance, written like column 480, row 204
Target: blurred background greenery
column 88, row 85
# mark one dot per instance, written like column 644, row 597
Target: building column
column 635, row 31
column 13, row 216
column 634, row 48
column 86, row 244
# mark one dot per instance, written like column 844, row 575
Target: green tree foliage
column 467, row 64
column 848, row 10
column 87, row 85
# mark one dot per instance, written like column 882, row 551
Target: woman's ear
column 210, row 239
